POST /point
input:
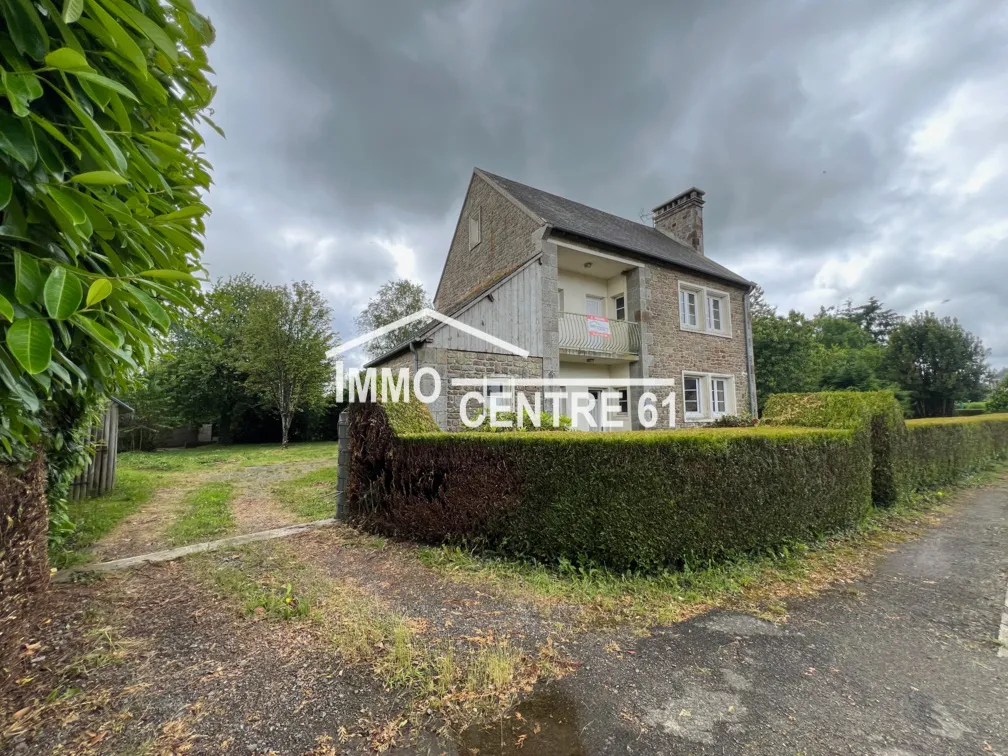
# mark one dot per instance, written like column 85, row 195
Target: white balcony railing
column 594, row 336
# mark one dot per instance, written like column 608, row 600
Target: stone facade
column 506, row 241
column 670, row 350
column 453, row 363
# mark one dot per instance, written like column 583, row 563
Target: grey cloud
column 361, row 121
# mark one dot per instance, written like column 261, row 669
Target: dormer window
column 474, row 229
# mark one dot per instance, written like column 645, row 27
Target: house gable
column 505, row 242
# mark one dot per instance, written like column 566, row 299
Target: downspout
column 416, row 357
column 750, row 359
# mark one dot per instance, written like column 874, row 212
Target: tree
column 875, row 320
column 937, row 361
column 101, row 185
column 784, row 351
column 284, row 342
column 998, row 400
column 394, row 300
column 203, row 375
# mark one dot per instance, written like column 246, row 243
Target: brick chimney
column 682, row 218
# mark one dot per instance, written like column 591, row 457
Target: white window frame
column 705, row 382
column 616, row 307
column 700, row 395
column 475, row 228
column 724, row 305
column 704, row 317
column 698, row 296
column 601, row 303
column 713, row 381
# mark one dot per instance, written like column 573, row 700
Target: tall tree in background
column 938, row 362
column 284, row 341
column 394, row 300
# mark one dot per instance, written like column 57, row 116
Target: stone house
column 590, row 296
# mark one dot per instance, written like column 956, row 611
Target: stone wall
column 506, row 241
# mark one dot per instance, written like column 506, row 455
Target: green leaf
column 99, row 178
column 28, row 280
column 30, row 341
column 26, row 28
column 99, row 134
column 72, row 10
column 6, row 308
column 55, row 134
column 124, row 43
column 16, row 141
column 21, row 89
column 186, row 212
column 6, row 191
column 151, row 307
column 145, row 26
column 63, row 294
column 68, row 205
column 98, row 291
column 103, row 81
column 171, row 275
column 98, row 331
column 66, row 59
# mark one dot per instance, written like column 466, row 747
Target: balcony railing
column 598, row 337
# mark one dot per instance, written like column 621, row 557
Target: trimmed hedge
column 626, row 499
column 941, row 450
column 876, row 412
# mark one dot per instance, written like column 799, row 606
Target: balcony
column 589, row 336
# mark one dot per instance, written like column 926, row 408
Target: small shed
column 99, row 477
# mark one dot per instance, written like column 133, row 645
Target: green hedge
column 941, row 450
column 624, row 499
column 876, row 412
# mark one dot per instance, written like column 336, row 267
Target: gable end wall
column 505, row 243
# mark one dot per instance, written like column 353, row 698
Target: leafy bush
column 745, row 420
column 998, row 401
column 941, row 450
column 876, row 412
column 101, row 184
column 545, row 423
column 624, row 499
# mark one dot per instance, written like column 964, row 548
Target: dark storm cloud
column 847, row 149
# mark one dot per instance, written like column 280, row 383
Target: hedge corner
column 876, row 412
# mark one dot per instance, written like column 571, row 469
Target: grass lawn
column 96, row 516
column 207, row 514
column 215, row 457
column 311, row 496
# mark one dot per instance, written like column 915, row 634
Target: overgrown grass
column 216, row 457
column 96, row 516
column 311, row 496
column 208, row 513
column 269, row 581
column 757, row 582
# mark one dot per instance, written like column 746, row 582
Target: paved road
column 906, row 665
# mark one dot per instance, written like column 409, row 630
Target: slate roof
column 567, row 216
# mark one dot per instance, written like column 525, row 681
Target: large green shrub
column 876, row 412
column 101, row 188
column 942, row 450
column 624, row 499
column 998, row 400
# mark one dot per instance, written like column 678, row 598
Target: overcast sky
column 847, row 149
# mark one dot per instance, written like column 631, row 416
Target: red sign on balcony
column 598, row 326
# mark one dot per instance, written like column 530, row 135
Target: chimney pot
column 682, row 218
